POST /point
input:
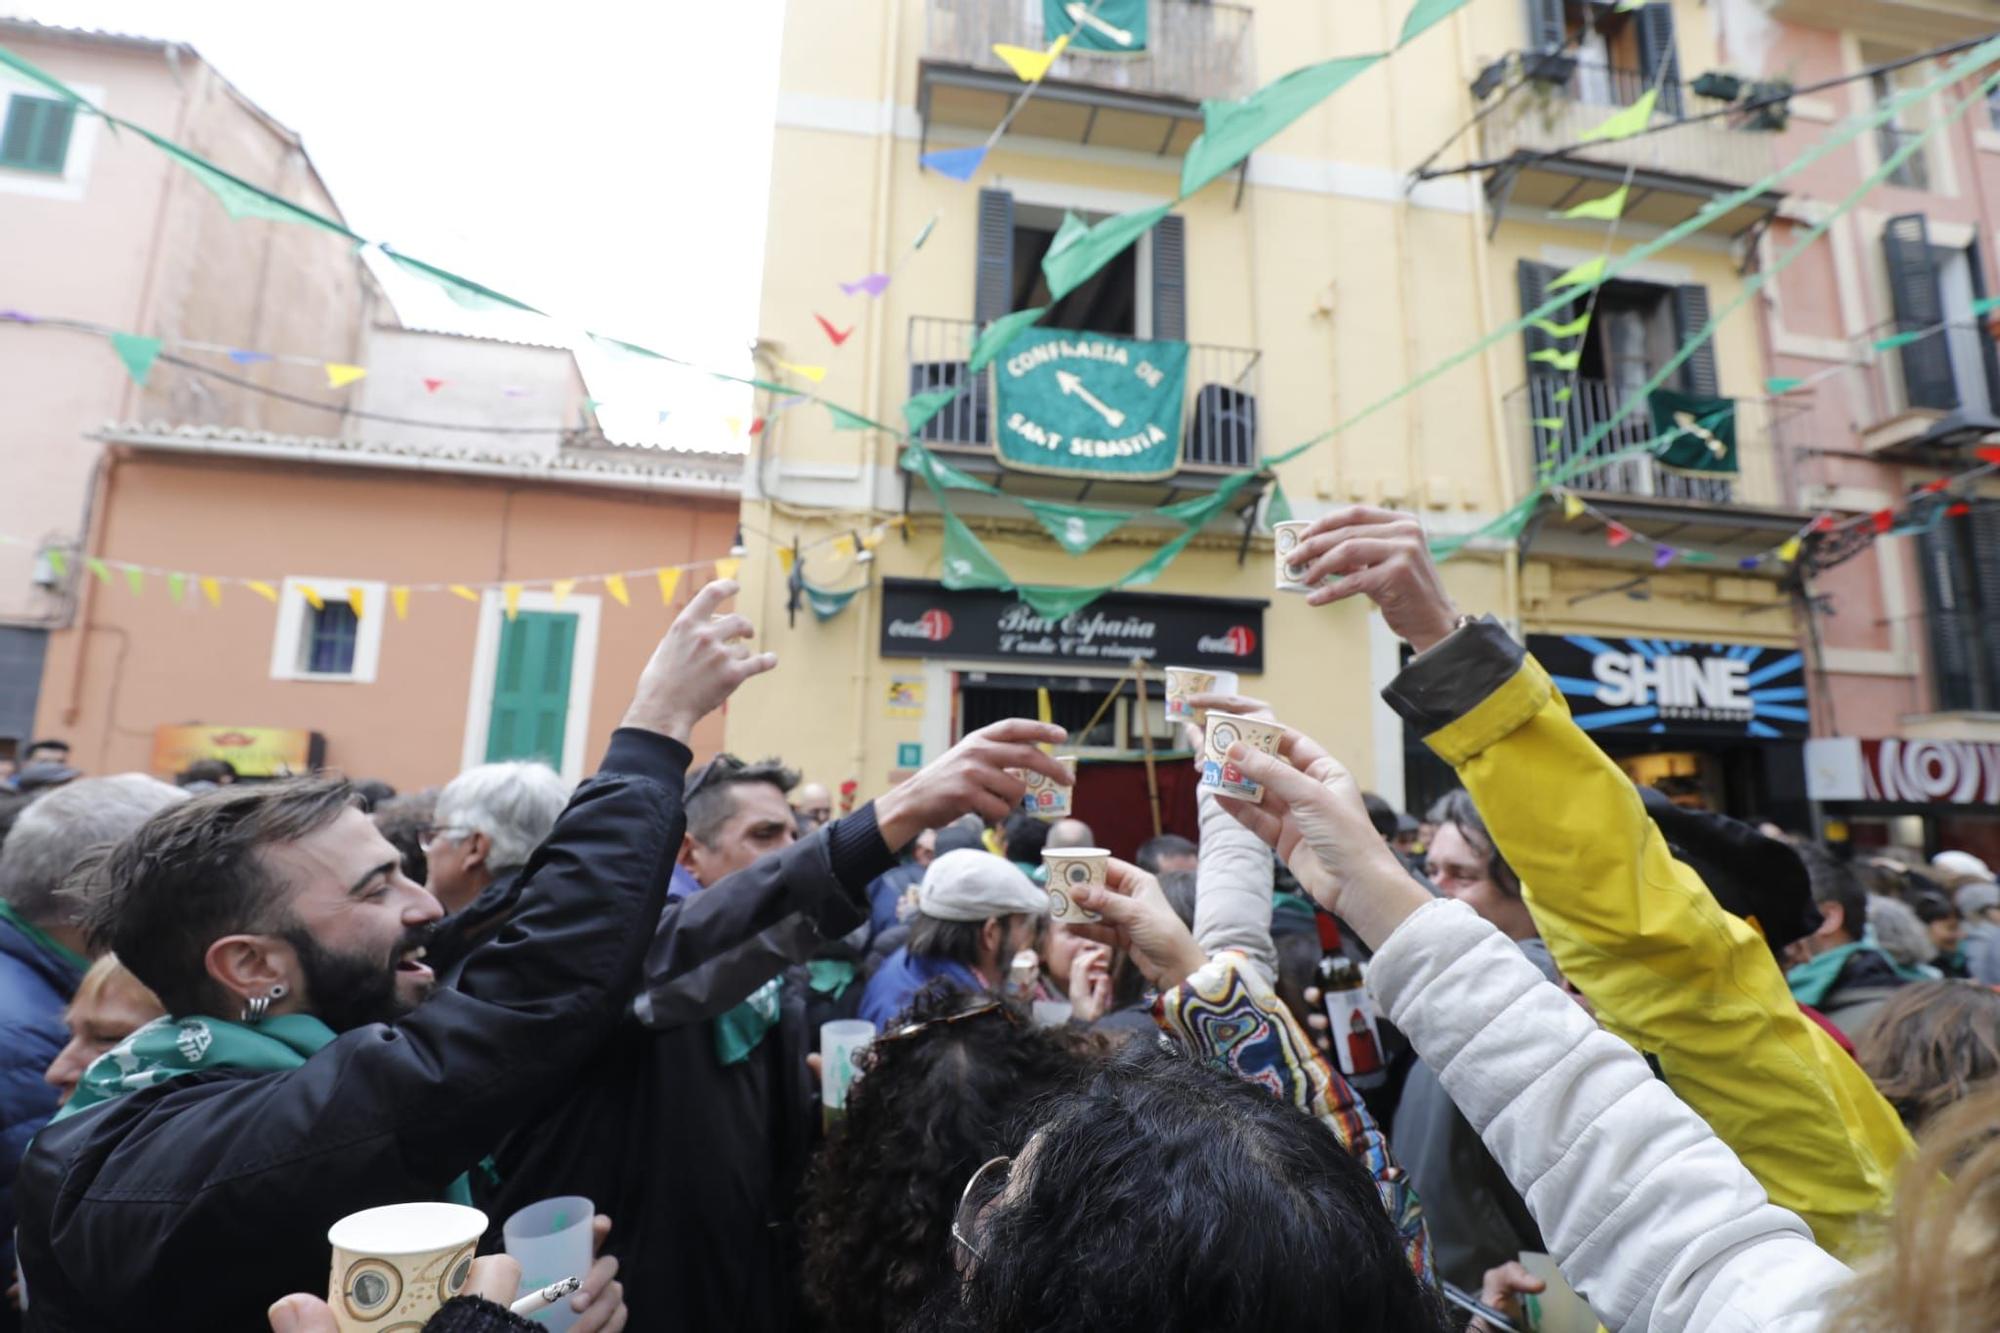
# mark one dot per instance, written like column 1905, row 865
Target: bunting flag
column 244, row 357
column 339, row 374
column 1789, row 552
column 357, row 598
column 1779, row 385
column 138, row 353
column 560, row 589
column 1553, row 424
column 399, row 597
column 1882, row 520
column 1959, row 510
column 960, row 164
column 432, row 386
column 1277, row 509
column 463, row 593
column 213, row 591
column 756, row 426
column 1075, row 528
column 1080, row 250
column 510, row 594
column 728, row 566
column 1896, row 340
column 1563, row 361
column 238, row 197
column 814, row 373
column 1988, row 454
column 1663, row 555
column 58, row 561
column 732, row 424
column 464, row 292
column 1586, row 274
column 837, row 335
column 262, row 589
column 1569, row 330
column 1626, row 123
column 670, row 579
column 846, row 420
column 1573, row 505
column 1030, row 66
column 135, row 579
column 993, row 339
column 786, row 558
column 843, row 545
column 307, row 591
column 874, row 285
column 177, row 586
column 1426, row 14
column 918, row 411
column 1617, row 534
column 1608, row 208
column 98, row 569
column 1231, row 131
column 871, row 539
column 967, row 563
column 1563, row 394
column 826, row 605
column 615, row 585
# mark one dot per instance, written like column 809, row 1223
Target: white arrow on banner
column 1073, row 387
column 1080, row 15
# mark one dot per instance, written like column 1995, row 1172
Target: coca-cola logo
column 1237, row 641
column 933, row 625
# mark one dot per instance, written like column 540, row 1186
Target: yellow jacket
column 1638, row 933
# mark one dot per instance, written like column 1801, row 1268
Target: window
column 339, row 639
column 1932, row 285
column 1620, row 53
column 35, row 134
column 1914, row 173
column 1961, row 560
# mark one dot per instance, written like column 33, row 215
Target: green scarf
column 169, row 1047
column 1812, row 981
column 738, row 1032
column 40, row 938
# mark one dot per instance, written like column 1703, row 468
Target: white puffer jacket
column 1651, row 1217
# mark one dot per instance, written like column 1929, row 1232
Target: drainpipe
column 97, row 500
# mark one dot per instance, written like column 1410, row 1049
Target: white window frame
column 82, row 144
column 287, row 644
column 582, row 674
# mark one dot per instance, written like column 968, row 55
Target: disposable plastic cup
column 1070, row 867
column 1557, row 1308
column 1218, row 773
column 840, row 1045
column 551, row 1241
column 396, row 1265
column 1052, row 1013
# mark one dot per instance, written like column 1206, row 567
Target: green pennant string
column 993, row 339
column 1075, row 527
column 918, row 411
column 135, row 579
column 1608, row 208
column 1895, row 340
column 1626, row 123
column 98, row 569
column 967, row 562
column 1587, row 274
column 1696, row 558
column 463, row 291
column 58, row 561
column 1550, row 423
column 1278, row 509
column 825, row 604
column 1780, row 385
column 138, row 353
column 238, row 197
column 1079, row 251
column 176, row 586
column 1197, row 512
column 619, row 347
column 1426, row 14
column 1564, row 361
column 938, row 473
column 1569, row 330
column 36, row 74
column 846, row 420
column 1985, row 304
column 1232, row 130
column 1564, row 394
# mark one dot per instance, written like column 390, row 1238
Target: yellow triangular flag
column 785, row 558
column 726, row 567
column 262, row 589
column 357, row 599
column 813, row 373
column 562, row 588
column 460, row 590
column 313, row 599
column 843, row 545
column 1607, row 209
column 615, row 585
column 1626, row 123
column 1029, row 66
column 512, row 592
column 670, row 579
column 1587, row 272
column 735, row 425
column 871, row 539
column 401, row 598
column 1572, row 504
column 1789, row 552
column 339, row 374
column 211, row 590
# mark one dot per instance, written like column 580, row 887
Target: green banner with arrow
column 1099, row 27
column 1087, row 405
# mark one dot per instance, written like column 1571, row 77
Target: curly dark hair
column 928, row 1110
column 1168, row 1196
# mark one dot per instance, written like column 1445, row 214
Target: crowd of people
column 1324, row 1066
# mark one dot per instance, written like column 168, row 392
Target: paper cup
column 840, row 1045
column 551, row 1241
column 395, row 1266
column 1047, row 799
column 1069, row 867
column 1224, row 730
column 1185, row 682
column 1285, row 538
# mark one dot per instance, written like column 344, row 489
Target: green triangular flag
column 1549, row 423
column 1697, row 558
column 1232, row 130
column 993, row 339
column 1078, row 251
column 846, row 420
column 239, row 198
column 138, row 353
column 1156, row 564
column 1585, row 274
column 1425, row 14
column 826, row 605
column 918, row 411
column 58, row 561
column 937, row 472
column 98, row 568
column 1202, row 508
column 1076, row 528
column 1895, row 340
column 1779, row 385
column 1609, row 208
column 967, row 563
column 1626, row 123
column 1563, row 394
column 622, row 348
column 1278, row 509
column 592, row 404
column 35, row 74
column 1560, row 360
column 1985, row 303
column 464, row 292
column 176, row 586
column 1569, row 330
column 135, row 579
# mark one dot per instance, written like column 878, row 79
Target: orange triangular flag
column 615, row 585
column 670, row 579
column 339, row 374
column 401, row 598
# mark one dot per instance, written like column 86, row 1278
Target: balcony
column 1676, row 171
column 1219, row 433
column 1149, row 102
column 1921, row 23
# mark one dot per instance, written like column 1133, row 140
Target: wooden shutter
column 993, row 274
column 1170, row 279
column 1546, row 29
column 1913, row 286
column 1975, row 262
column 531, row 688
column 1690, row 317
column 36, row 134
column 1656, row 49
column 1982, row 554
column 1950, row 615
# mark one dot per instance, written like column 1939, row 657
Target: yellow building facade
column 1309, row 286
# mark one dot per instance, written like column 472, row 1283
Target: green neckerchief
column 738, row 1032
column 169, row 1047
column 1811, row 981
column 40, row 938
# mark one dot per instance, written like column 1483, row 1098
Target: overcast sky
column 601, row 159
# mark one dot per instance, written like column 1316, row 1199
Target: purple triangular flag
column 1750, row 562
column 873, row 284
column 961, row 164
column 792, row 401
column 512, row 391
column 17, row 317
column 1663, row 555
column 243, row 358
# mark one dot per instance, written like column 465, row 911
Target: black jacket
column 199, row 1201
column 699, row 1163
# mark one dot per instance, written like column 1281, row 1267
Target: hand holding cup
column 972, row 777
column 1135, row 916
column 1384, row 556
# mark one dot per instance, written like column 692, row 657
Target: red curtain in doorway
column 1111, row 798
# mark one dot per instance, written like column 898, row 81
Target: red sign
column 1237, row 641
column 934, row 626
column 1931, row 772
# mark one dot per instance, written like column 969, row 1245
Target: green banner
column 1700, row 432
column 1097, row 25
column 1087, row 405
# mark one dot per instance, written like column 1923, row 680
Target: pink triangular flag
column 432, row 386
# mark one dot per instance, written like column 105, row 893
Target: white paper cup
column 1185, row 682
column 1052, row 1013
column 840, row 1045
column 1069, row 867
column 551, row 1241
column 1047, row 799
column 395, row 1266
column 1285, row 538
column 1223, row 730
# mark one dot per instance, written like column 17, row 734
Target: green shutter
column 531, row 688
column 35, row 136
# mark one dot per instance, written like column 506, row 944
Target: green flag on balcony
column 1076, row 404
column 1079, row 250
column 1096, row 25
column 1698, row 434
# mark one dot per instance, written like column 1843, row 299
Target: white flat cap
column 973, row 886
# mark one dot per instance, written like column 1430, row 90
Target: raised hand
column 1380, row 554
column 696, row 666
column 970, row 778
column 1242, row 705
column 1138, row 919
column 1090, row 982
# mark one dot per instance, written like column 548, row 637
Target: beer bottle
column 1350, row 1016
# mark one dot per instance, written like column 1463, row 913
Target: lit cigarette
column 541, row 1300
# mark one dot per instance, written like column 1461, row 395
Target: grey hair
column 515, row 804
column 58, row 831
column 1899, row 931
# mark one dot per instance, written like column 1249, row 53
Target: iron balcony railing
column 1593, row 404
column 1218, row 413
column 1194, row 49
